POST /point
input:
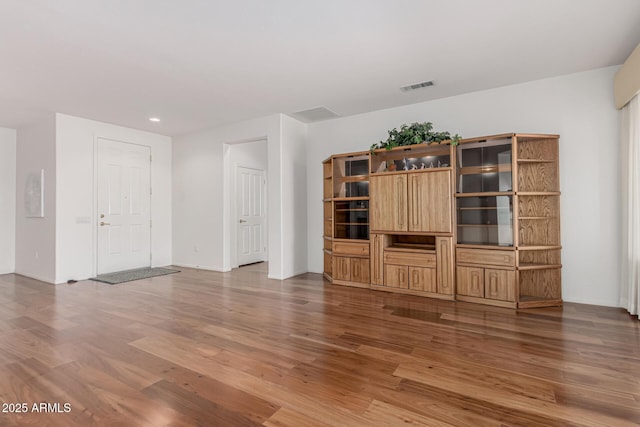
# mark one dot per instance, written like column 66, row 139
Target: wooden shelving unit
column 526, row 225
column 348, row 192
column 538, row 215
column 327, row 207
column 479, row 222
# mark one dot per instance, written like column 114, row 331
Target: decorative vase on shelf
column 391, row 166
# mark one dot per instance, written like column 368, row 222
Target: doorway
column 246, row 199
column 251, row 213
column 123, row 206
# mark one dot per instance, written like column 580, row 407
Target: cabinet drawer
column 410, row 258
column 470, row 281
column 351, row 248
column 485, row 257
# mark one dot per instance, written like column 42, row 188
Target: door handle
column 242, row 220
column 102, row 223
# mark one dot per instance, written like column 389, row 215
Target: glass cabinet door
column 351, row 176
column 352, row 219
column 485, row 166
column 485, row 220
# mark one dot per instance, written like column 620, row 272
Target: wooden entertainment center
column 476, row 222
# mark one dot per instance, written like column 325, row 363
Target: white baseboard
column 36, row 277
column 591, row 302
column 200, row 267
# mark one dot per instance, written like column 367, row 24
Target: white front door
column 124, row 202
column 250, row 189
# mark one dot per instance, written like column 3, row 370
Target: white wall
column 35, row 237
column 7, row 200
column 76, row 204
column 579, row 107
column 202, row 174
column 202, row 193
column 250, row 155
column 294, row 196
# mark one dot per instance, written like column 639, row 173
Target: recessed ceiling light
column 154, row 119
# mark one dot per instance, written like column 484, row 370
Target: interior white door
column 251, row 185
column 124, row 204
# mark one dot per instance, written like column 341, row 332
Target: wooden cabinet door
column 470, row 281
column 430, row 197
column 444, row 264
column 396, row 276
column 377, row 258
column 341, row 268
column 423, row 279
column 500, row 284
column 360, row 270
column 388, row 202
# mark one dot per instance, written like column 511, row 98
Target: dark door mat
column 131, row 275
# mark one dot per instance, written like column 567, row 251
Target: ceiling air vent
column 315, row 115
column 416, row 86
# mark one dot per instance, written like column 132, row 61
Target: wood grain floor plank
column 384, row 414
column 222, row 395
column 526, row 402
column 237, row 348
column 288, row 417
column 195, row 410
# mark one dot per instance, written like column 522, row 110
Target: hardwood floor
column 237, row 349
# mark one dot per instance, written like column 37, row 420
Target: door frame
column 230, row 231
column 94, row 216
column 234, row 214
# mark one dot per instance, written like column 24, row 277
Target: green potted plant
column 415, row 133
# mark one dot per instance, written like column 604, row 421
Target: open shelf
column 540, row 284
column 411, row 242
column 412, row 171
column 538, row 247
column 486, row 194
column 535, row 217
column 417, row 157
column 538, row 193
column 474, row 170
column 482, row 208
column 538, row 266
column 536, row 161
column 348, row 199
column 357, row 178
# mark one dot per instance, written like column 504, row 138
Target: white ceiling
column 200, row 63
